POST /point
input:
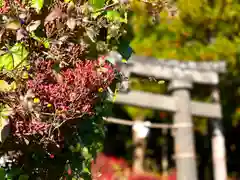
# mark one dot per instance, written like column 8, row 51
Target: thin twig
column 110, row 6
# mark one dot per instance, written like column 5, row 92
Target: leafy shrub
column 54, row 85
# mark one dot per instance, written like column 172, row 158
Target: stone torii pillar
column 181, row 75
column 183, row 135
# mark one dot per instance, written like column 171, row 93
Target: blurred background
column 186, row 31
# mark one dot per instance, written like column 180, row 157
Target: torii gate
column 182, row 76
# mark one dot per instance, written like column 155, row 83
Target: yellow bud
column 25, row 75
column 100, row 90
column 36, row 100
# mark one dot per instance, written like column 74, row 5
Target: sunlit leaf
column 6, row 111
column 115, row 16
column 71, row 23
column 37, row 4
column 13, row 25
column 85, row 152
column 135, row 112
column 15, row 57
column 32, row 26
column 44, row 41
column 25, row 75
column 54, row 14
column 124, row 60
column 4, row 86
column 1, row 3
column 161, row 82
column 97, row 4
column 91, row 34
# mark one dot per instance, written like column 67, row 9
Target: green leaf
column 42, row 40
column 6, row 111
column 91, row 34
column 37, row 4
column 13, row 173
column 4, row 86
column 15, row 57
column 115, row 16
column 97, row 4
column 78, row 147
column 23, row 177
column 2, row 173
column 1, row 3
column 46, row 43
column 86, row 170
column 85, row 153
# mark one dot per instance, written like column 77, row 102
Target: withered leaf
column 26, row 141
column 21, row 33
column 1, row 33
column 56, row 13
column 2, row 52
column 71, row 23
column 13, row 25
column 63, row 38
column 91, row 34
column 33, row 25
column 70, row 7
column 23, row 16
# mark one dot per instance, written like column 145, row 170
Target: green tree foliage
column 201, row 31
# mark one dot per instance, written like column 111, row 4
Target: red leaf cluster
column 28, row 128
column 68, row 94
column 72, row 91
column 104, row 168
column 5, row 8
column 6, row 5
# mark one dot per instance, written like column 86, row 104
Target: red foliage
column 143, row 177
column 171, row 176
column 104, row 168
column 27, row 128
column 68, row 94
column 107, row 167
column 5, row 8
column 6, row 5
column 73, row 91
